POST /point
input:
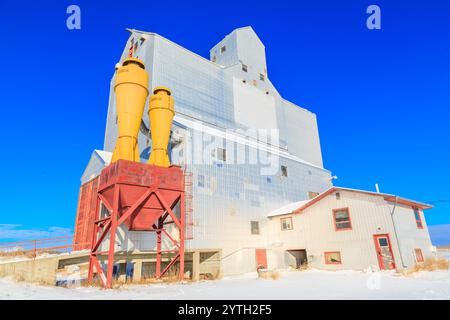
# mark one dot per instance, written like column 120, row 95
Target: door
column 384, row 251
column 261, row 258
column 300, row 257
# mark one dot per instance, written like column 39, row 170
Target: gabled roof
column 106, row 156
column 289, row 208
column 98, row 160
column 298, row 207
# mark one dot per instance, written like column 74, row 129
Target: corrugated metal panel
column 86, row 214
column 410, row 236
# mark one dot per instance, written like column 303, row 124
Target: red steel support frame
column 110, row 224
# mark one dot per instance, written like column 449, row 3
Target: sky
column 382, row 97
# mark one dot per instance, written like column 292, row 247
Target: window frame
column 349, row 219
column 284, row 173
column 201, row 182
column 418, row 253
column 418, row 218
column 251, row 228
column 291, row 224
column 330, row 252
column 221, row 154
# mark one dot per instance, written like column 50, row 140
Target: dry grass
column 171, row 276
column 303, row 267
column 18, row 253
column 430, row 264
column 275, row 275
column 269, row 274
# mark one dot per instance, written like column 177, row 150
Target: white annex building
column 352, row 229
column 260, row 193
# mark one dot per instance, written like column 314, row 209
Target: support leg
column 158, row 249
column 137, row 273
column 94, row 240
column 112, row 237
column 196, row 266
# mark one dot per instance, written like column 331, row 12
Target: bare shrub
column 430, row 264
column 268, row 274
column 275, row 275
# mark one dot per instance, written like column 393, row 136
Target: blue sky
column 382, row 97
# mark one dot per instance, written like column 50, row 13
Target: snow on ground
column 310, row 284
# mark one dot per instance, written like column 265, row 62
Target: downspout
column 395, row 232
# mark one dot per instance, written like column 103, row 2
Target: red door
column 261, row 258
column 384, row 251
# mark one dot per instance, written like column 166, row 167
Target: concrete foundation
column 198, row 264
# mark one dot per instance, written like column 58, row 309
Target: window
column 221, row 154
column 284, row 172
column 418, row 218
column 333, row 257
column 312, row 194
column 214, row 59
column 418, row 253
column 383, row 242
column 244, row 67
column 254, row 225
column 223, row 49
column 261, row 77
column 286, row 223
column 338, row 196
column 255, row 203
column 201, row 181
column 341, row 218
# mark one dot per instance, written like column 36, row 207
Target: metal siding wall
column 235, row 194
column 229, row 57
column 369, row 216
column 200, row 88
column 411, row 237
column 251, row 51
column 86, row 214
column 93, row 169
column 300, row 121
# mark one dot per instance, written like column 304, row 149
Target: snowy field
column 310, row 284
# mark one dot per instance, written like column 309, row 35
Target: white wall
column 299, row 128
column 253, row 108
column 410, row 236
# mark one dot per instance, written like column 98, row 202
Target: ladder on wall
column 188, row 202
